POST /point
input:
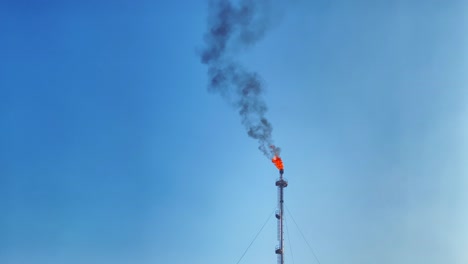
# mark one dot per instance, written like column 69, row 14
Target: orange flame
column 278, row 162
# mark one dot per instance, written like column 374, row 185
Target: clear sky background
column 113, row 151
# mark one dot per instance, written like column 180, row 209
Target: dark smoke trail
column 239, row 27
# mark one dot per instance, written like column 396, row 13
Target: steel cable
column 256, row 236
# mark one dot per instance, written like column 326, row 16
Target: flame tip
column 278, row 162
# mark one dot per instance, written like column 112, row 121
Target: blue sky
column 113, row 151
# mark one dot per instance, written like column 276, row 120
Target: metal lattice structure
column 281, row 183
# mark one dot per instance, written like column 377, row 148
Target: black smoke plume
column 230, row 28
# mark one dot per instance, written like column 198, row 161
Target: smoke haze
column 233, row 27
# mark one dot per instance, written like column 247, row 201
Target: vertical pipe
column 281, row 220
column 281, row 183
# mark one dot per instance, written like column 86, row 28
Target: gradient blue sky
column 113, row 151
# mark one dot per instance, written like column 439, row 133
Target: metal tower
column 281, row 183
